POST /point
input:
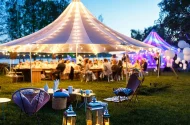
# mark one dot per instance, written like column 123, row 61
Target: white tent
column 76, row 29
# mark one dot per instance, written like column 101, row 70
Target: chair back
column 6, row 70
column 133, row 85
column 30, row 100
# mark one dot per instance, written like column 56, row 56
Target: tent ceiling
column 75, row 26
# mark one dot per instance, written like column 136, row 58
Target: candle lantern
column 94, row 113
column 106, row 117
column 69, row 116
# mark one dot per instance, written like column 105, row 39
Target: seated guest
column 100, row 64
column 18, row 66
column 67, row 70
column 68, row 67
column 95, row 62
column 89, row 74
column 38, row 64
column 137, row 65
column 45, row 64
column 85, row 61
column 106, row 68
column 114, row 68
column 129, row 64
column 59, row 69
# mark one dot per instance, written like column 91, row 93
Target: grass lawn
column 165, row 102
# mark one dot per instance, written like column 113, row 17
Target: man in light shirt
column 106, row 68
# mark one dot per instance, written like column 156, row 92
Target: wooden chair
column 14, row 75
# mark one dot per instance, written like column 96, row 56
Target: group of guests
column 112, row 68
column 37, row 64
column 141, row 65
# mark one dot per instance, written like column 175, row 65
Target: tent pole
column 159, row 61
column 31, row 66
column 13, row 64
column 10, row 65
column 76, row 51
column 126, row 67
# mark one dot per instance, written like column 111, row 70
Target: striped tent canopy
column 155, row 40
column 76, row 29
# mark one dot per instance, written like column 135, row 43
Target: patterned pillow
column 126, row 91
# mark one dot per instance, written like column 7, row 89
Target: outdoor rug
column 116, row 99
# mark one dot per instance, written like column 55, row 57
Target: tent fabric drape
column 76, row 25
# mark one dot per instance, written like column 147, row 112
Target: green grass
column 167, row 103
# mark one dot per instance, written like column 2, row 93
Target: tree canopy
column 23, row 17
column 173, row 23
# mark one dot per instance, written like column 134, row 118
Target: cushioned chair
column 30, row 100
column 130, row 91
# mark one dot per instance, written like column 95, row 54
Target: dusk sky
column 124, row 15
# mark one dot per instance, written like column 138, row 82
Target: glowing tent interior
column 155, row 40
column 75, row 30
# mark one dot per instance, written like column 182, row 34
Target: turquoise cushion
column 126, row 91
column 60, row 94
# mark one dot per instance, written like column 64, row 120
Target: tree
column 3, row 22
column 174, row 17
column 24, row 17
column 137, row 34
column 100, row 18
column 173, row 23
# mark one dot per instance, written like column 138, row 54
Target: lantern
column 94, row 113
column 69, row 116
column 106, row 118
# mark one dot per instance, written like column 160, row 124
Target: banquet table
column 36, row 74
column 96, row 71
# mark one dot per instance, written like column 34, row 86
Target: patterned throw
column 126, row 91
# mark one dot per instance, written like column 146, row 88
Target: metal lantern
column 106, row 118
column 94, row 113
column 69, row 116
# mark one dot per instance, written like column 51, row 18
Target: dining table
column 96, row 71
